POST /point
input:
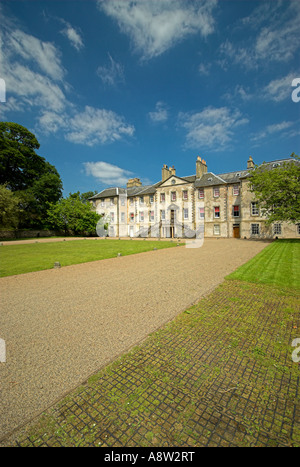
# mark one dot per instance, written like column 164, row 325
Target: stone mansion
column 187, row 207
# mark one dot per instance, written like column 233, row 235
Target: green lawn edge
column 278, row 264
column 39, row 256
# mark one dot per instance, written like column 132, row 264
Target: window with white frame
column 201, row 213
column 216, row 192
column 185, row 213
column 151, row 199
column 122, row 216
column 185, row 195
column 217, row 212
column 216, row 229
column 112, row 217
column 163, row 214
column 277, row 229
column 131, row 217
column 131, row 201
column 254, row 229
column 162, row 197
column 236, row 190
column 254, row 208
column 102, row 203
column 111, row 201
column 173, row 195
column 122, row 200
column 141, row 199
column 151, row 216
column 201, row 193
column 141, row 216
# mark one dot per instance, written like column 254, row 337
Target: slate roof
column 207, row 179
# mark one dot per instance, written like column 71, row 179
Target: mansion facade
column 200, row 205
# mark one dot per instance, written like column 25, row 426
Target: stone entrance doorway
column 236, row 230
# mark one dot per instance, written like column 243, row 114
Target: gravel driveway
column 62, row 325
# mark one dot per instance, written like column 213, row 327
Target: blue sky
column 114, row 89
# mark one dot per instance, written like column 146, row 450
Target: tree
column 35, row 180
column 72, row 215
column 84, row 197
column 9, row 208
column 277, row 190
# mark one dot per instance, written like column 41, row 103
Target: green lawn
column 23, row 258
column 278, row 265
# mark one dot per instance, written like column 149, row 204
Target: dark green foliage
column 35, row 181
column 278, row 190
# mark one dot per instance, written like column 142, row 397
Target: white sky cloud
column 155, row 26
column 160, row 114
column 34, row 78
column 112, row 73
column 213, row 128
column 279, row 89
column 97, row 126
column 204, row 69
column 44, row 54
column 272, row 39
column 32, row 70
column 73, row 35
column 271, row 129
column 106, row 173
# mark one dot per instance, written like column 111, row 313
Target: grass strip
column 24, row 258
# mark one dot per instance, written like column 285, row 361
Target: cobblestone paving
column 221, row 374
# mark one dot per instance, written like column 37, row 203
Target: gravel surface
column 62, row 325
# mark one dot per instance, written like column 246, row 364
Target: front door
column 236, row 230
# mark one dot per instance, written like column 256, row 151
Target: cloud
column 97, row 126
column 238, row 93
column 271, row 130
column 160, row 114
column 107, row 173
column 73, row 35
column 157, row 25
column 32, row 70
column 34, row 77
column 213, row 128
column 279, row 89
column 272, row 36
column 44, row 54
column 204, row 69
column 111, row 74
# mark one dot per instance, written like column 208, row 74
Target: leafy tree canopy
column 73, row 215
column 9, row 208
column 277, row 190
column 35, row 180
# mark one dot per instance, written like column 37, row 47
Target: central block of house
column 205, row 204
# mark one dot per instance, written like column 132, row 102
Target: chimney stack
column 166, row 172
column 250, row 163
column 134, row 182
column 201, row 167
